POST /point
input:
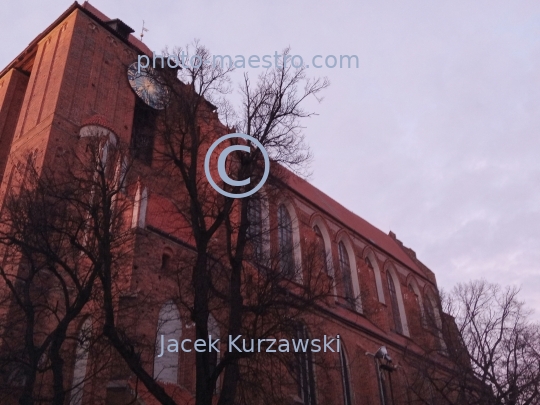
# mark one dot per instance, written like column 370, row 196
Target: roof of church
column 94, row 13
column 324, row 202
column 102, row 17
column 352, row 221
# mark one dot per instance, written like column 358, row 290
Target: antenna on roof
column 143, row 30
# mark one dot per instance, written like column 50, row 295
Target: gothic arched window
column 305, row 370
column 286, row 244
column 81, row 362
column 255, row 229
column 371, row 262
column 139, row 208
column 345, row 267
column 430, row 314
column 345, row 377
column 214, row 333
column 321, row 249
column 434, row 321
column 394, row 301
column 169, row 327
column 418, row 305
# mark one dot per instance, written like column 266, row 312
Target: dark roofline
column 126, row 41
column 63, row 16
column 34, row 42
column 350, row 228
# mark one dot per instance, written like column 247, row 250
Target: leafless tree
column 59, row 228
column 64, row 238
column 493, row 352
column 254, row 294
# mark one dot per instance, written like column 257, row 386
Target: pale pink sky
column 436, row 136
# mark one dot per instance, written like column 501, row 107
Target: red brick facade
column 74, row 74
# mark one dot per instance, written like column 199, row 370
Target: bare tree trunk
column 57, row 365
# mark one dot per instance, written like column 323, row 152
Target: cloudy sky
column 436, row 136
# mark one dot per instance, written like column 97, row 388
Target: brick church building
column 70, row 82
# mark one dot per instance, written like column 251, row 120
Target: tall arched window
column 321, row 249
column 434, row 322
column 214, row 333
column 418, row 304
column 169, row 327
column 395, row 305
column 139, row 208
column 305, row 370
column 345, row 267
column 104, row 154
column 286, row 244
column 345, row 377
column 122, row 173
column 430, row 314
column 255, row 229
column 371, row 262
column 81, row 362
column 370, row 266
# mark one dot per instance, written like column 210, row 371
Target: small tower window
column 165, row 261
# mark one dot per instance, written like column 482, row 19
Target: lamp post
column 383, row 363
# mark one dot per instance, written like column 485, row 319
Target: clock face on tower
column 146, row 84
